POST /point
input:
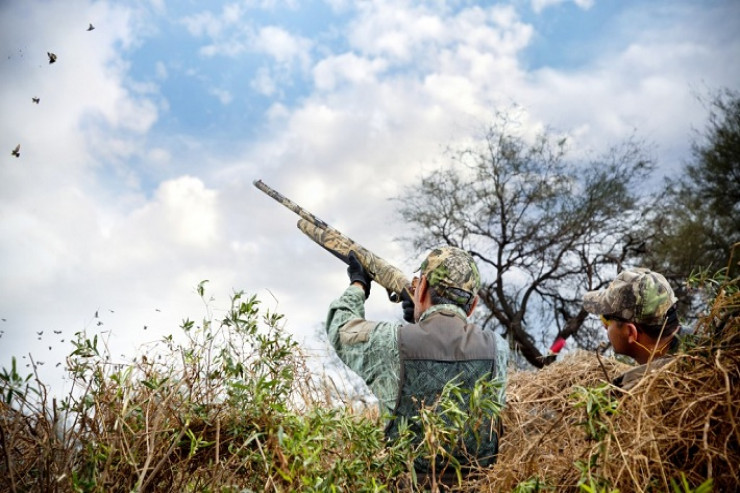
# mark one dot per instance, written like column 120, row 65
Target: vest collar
column 453, row 309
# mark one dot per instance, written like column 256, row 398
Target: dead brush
column 568, row 429
column 230, row 409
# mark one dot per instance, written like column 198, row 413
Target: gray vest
column 442, row 348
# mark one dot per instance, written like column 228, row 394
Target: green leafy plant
column 682, row 485
column 533, row 485
column 599, row 403
column 223, row 405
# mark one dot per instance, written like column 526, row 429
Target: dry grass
column 682, row 418
column 233, row 409
column 217, row 417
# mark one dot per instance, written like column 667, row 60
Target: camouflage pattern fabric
column 637, row 295
column 370, row 349
column 453, row 273
column 424, row 379
column 438, row 350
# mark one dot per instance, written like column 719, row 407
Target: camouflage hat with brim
column 637, row 295
column 453, row 274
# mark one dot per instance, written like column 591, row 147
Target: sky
column 134, row 180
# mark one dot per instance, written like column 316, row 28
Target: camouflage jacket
column 370, row 349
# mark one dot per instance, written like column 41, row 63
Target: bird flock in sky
column 16, row 152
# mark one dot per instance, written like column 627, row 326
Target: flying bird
column 91, row 27
column 36, row 100
column 17, row 151
column 52, row 57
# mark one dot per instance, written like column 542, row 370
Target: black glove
column 408, row 307
column 357, row 273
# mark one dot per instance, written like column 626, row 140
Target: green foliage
column 452, row 426
column 590, row 482
column 15, row 386
column 696, row 222
column 599, row 403
column 712, row 284
column 533, row 485
column 682, row 486
column 223, row 405
column 714, row 175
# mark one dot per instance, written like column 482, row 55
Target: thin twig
column 166, row 455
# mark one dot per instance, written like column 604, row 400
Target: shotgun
column 390, row 277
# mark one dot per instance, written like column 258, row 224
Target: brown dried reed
column 680, row 418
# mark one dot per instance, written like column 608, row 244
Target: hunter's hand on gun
column 357, row 273
column 407, row 304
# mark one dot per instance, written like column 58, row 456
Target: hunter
column 407, row 364
column 638, row 310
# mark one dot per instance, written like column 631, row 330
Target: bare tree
column 542, row 229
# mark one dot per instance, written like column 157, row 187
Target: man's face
column 617, row 333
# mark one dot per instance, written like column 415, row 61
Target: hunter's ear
column 423, row 287
column 632, row 332
column 473, row 305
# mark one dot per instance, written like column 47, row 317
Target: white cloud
column 160, row 69
column 159, row 155
column 348, row 67
column 281, row 45
column 89, row 119
column 395, row 32
column 225, row 29
column 158, row 5
column 263, row 82
column 539, row 5
column 182, row 214
column 224, row 96
column 204, row 24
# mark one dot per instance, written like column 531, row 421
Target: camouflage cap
column 636, row 295
column 453, row 273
